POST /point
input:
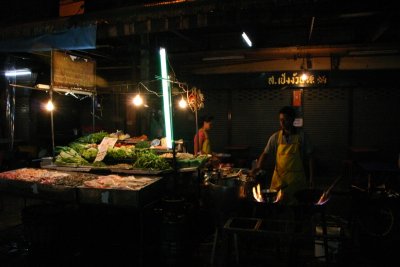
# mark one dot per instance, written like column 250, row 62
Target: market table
column 42, row 184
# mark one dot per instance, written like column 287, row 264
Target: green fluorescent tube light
column 166, row 98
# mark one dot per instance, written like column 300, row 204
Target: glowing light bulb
column 304, row 77
column 50, row 106
column 182, row 103
column 138, row 100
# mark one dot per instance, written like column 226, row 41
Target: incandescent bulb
column 182, row 103
column 50, row 106
column 137, row 100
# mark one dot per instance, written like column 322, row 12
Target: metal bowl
column 269, row 195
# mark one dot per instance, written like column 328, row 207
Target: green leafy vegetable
column 142, row 144
column 90, row 153
column 120, row 153
column 92, row 138
column 70, row 156
column 147, row 159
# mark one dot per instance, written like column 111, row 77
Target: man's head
column 206, row 122
column 286, row 117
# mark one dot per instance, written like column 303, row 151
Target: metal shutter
column 326, row 121
column 377, row 120
column 216, row 104
column 255, row 116
column 22, row 118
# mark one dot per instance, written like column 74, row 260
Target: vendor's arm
column 269, row 150
column 261, row 162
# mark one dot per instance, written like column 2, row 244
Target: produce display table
column 48, row 185
column 134, row 193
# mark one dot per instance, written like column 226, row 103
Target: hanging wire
column 181, row 85
column 145, row 87
column 170, row 65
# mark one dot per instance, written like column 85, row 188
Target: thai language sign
column 106, row 143
column 295, row 79
column 71, row 71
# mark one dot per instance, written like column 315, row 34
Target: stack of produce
column 83, row 152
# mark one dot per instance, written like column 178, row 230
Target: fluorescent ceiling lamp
column 12, row 73
column 166, row 98
column 247, row 39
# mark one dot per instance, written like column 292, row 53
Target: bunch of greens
column 120, row 153
column 92, row 138
column 68, row 155
column 90, row 153
column 147, row 159
column 78, row 147
column 142, row 144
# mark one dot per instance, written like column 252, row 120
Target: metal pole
column 197, row 130
column 51, row 99
column 93, row 115
column 12, row 119
column 52, row 122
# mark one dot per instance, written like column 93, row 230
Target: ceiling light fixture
column 247, row 39
column 21, row 72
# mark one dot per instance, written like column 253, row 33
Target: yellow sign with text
column 297, row 79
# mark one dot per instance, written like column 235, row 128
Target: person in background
column 202, row 144
column 291, row 149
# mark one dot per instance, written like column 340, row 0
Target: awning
column 71, row 39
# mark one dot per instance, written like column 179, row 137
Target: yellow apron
column 206, row 148
column 289, row 170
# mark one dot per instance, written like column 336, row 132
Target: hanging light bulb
column 303, row 77
column 182, row 103
column 137, row 100
column 49, row 106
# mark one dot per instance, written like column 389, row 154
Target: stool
column 282, row 234
column 236, row 225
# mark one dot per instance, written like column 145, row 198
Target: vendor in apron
column 201, row 139
column 290, row 148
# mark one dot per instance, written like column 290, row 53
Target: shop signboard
column 296, row 79
column 73, row 72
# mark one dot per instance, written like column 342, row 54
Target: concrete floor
column 99, row 237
